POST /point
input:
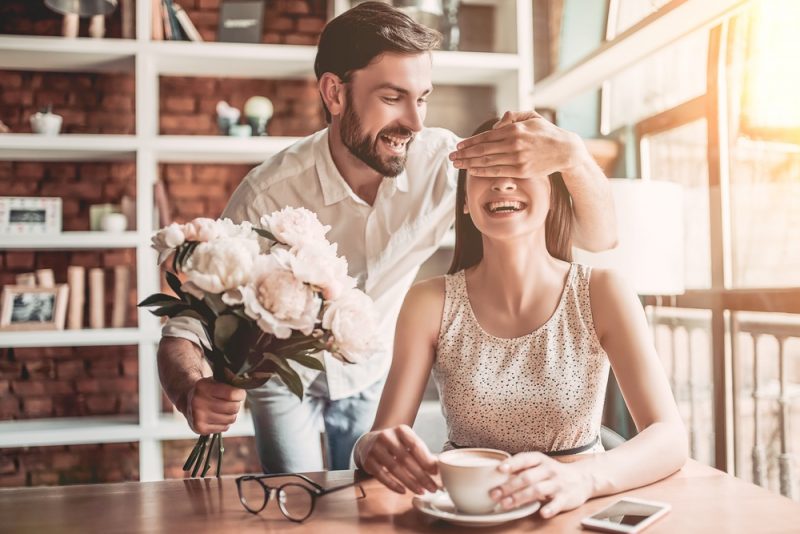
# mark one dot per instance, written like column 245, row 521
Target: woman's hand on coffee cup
column 399, row 459
column 537, row 477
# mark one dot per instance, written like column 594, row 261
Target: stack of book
column 171, row 23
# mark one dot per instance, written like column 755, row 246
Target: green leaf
column 158, row 299
column 308, row 361
column 288, row 375
column 170, row 310
column 224, row 329
column 174, row 283
column 266, row 233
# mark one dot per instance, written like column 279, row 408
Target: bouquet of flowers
column 264, row 297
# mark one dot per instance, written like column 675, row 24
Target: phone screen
column 627, row 513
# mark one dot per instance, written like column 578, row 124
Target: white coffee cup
column 469, row 475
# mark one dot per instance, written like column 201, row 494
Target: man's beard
column 365, row 149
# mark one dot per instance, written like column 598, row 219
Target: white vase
column 46, row 123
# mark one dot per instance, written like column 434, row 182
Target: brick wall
column 68, row 382
column 88, row 103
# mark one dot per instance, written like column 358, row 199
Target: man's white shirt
column 384, row 243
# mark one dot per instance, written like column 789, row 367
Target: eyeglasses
column 295, row 501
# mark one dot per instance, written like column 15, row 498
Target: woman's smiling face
column 504, row 208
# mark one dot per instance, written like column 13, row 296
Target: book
column 126, row 11
column 97, row 298
column 162, row 204
column 165, row 21
column 188, row 28
column 26, row 279
column 174, row 27
column 119, row 306
column 76, row 276
column 45, row 278
column 157, row 26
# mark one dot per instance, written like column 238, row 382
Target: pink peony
column 351, row 319
column 277, row 300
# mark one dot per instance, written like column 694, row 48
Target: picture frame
column 240, row 21
column 30, row 215
column 33, row 308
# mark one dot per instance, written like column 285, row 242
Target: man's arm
column 526, row 145
column 209, row 406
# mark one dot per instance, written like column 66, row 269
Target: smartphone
column 627, row 515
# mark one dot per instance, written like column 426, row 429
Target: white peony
column 204, row 229
column 295, row 227
column 277, row 300
column 221, row 265
column 167, row 239
column 351, row 319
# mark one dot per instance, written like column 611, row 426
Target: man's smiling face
column 385, row 106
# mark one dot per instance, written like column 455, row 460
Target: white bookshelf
column 85, row 337
column 74, row 240
column 509, row 72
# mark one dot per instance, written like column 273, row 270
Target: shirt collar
column 332, row 183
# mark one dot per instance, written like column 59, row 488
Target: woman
column 520, row 340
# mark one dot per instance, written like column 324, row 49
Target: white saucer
column 440, row 506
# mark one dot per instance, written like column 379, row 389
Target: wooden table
column 703, row 500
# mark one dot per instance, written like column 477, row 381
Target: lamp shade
column 82, row 8
column 649, row 253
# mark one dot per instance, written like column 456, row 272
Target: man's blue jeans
column 288, row 429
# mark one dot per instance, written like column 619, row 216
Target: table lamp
column 649, row 254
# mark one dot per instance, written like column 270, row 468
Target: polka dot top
column 540, row 392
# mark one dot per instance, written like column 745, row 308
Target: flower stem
column 214, row 438
column 193, row 455
column 200, row 455
column 220, row 452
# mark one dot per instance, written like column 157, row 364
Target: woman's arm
column 391, row 451
column 661, row 446
column 658, row 450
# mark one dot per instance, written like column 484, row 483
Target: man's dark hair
column 353, row 39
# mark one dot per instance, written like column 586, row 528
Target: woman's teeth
column 505, row 206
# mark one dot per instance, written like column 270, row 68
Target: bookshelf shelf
column 218, row 149
column 73, row 240
column 67, row 147
column 69, row 431
column 85, row 337
column 81, row 54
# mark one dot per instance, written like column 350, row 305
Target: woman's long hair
column 558, row 225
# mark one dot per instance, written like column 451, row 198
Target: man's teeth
column 505, row 205
column 395, row 142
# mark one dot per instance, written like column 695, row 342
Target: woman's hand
column 399, row 459
column 537, row 477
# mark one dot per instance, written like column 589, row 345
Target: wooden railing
column 758, row 404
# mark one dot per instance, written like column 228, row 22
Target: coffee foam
column 473, row 459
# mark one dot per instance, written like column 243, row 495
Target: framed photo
column 33, row 308
column 30, row 215
column 240, row 21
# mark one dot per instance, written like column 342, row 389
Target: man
column 386, row 185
